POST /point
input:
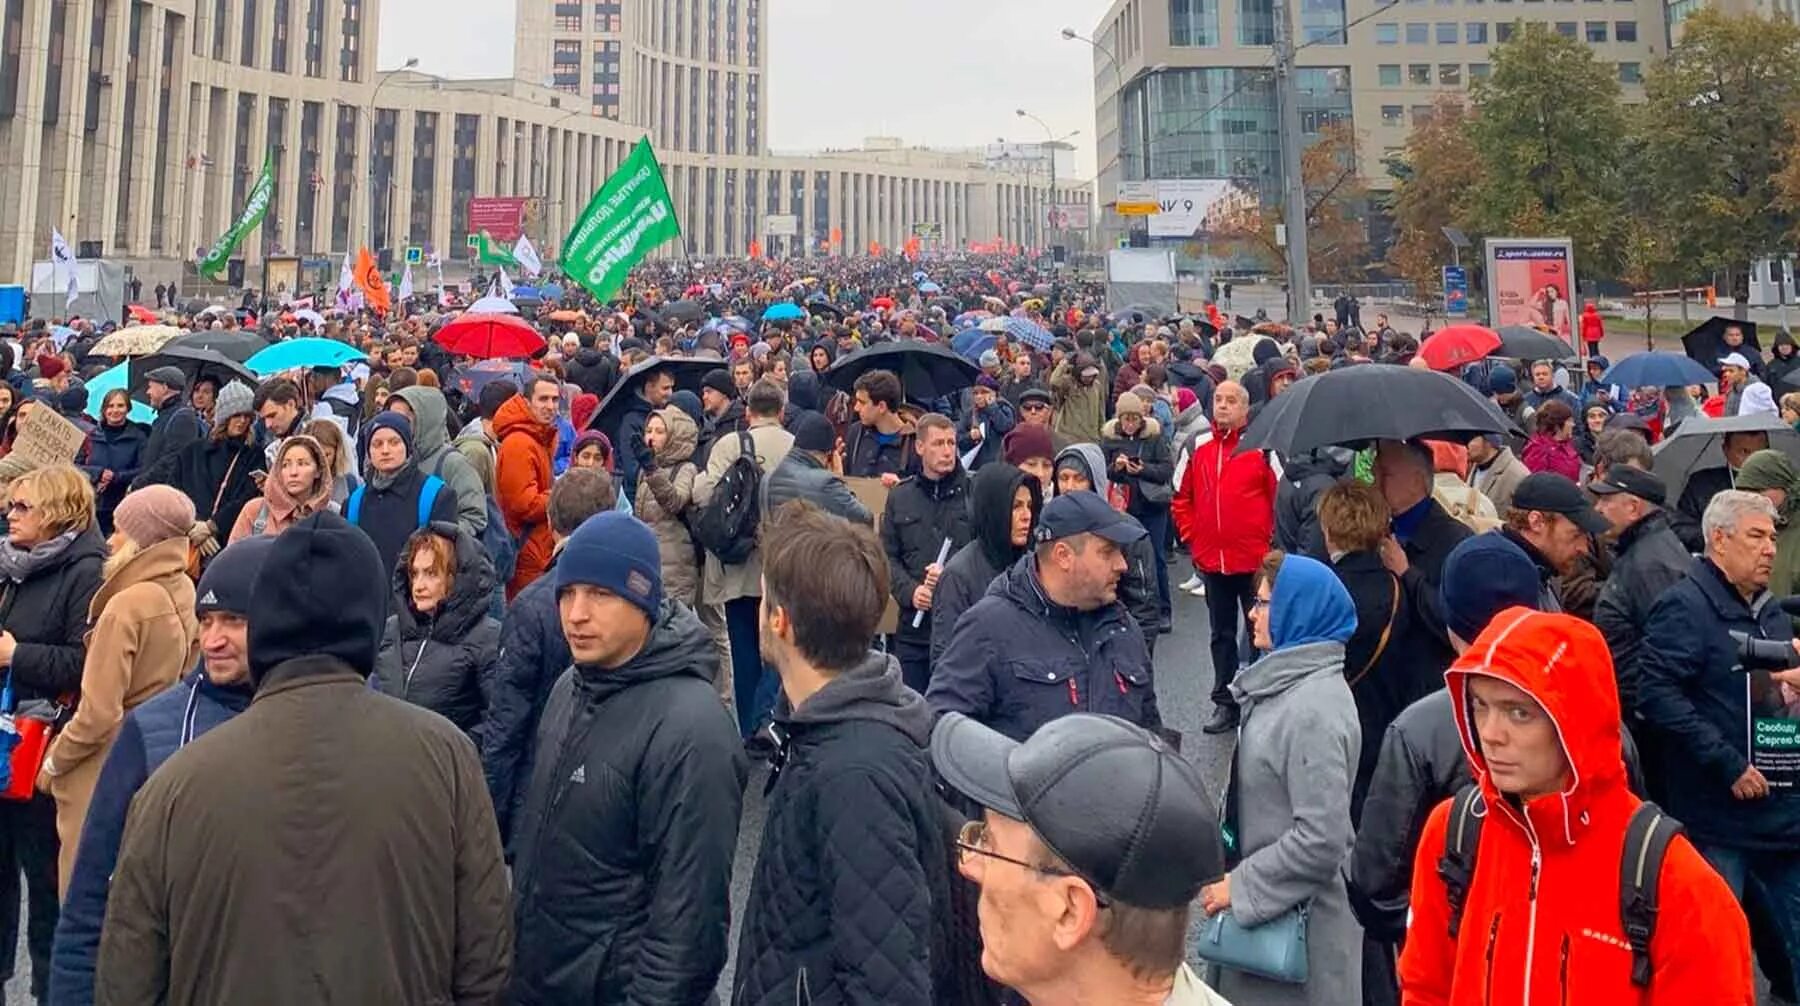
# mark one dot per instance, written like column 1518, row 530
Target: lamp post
column 370, row 113
column 1071, row 35
column 1052, row 143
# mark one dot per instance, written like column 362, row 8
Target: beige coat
column 728, row 583
column 663, row 496
column 144, row 637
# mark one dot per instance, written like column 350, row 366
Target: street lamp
column 1052, row 144
column 1071, row 35
column 371, row 112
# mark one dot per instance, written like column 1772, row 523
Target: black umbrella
column 1699, row 444
column 195, row 363
column 239, row 345
column 825, row 308
column 1375, row 401
column 688, row 372
column 1706, row 343
column 927, row 370
column 1522, row 342
column 681, row 311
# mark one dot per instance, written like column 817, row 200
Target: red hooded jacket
column 1592, row 328
column 1541, row 921
column 1224, row 506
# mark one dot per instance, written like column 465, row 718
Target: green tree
column 1432, row 177
column 1716, row 134
column 1546, row 130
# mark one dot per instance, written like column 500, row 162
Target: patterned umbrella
column 138, row 340
column 1030, row 333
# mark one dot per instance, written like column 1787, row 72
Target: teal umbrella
column 296, row 353
column 108, row 380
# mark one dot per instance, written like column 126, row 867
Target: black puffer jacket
column 1650, row 559
column 48, row 617
column 533, row 654
column 921, row 513
column 972, row 568
column 444, row 661
column 593, row 371
column 853, row 852
column 622, row 878
column 1297, row 494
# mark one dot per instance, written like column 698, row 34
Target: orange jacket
column 522, row 481
column 1564, row 943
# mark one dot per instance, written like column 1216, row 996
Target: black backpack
column 1647, row 840
column 726, row 526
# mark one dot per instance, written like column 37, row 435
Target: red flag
column 368, row 277
column 755, row 249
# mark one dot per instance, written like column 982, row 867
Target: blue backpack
column 427, row 499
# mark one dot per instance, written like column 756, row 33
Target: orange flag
column 755, row 249
column 368, row 277
column 837, row 236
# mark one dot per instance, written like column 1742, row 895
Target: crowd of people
column 413, row 679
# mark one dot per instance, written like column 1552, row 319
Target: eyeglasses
column 974, row 840
column 1035, row 407
column 18, row 506
column 1260, row 604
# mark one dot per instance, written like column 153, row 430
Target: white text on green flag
column 255, row 206
column 630, row 215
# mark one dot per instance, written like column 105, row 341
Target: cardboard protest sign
column 46, row 438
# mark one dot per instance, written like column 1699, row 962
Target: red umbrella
column 1452, row 347
column 141, row 313
column 881, row 302
column 489, row 335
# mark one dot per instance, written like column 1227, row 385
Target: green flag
column 493, row 252
column 255, row 207
column 630, row 215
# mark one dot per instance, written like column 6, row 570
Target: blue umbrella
column 1659, row 369
column 972, row 343
column 110, row 380
column 551, row 291
column 920, row 276
column 303, row 353
column 527, row 293
column 1030, row 332
column 783, row 312
column 930, row 287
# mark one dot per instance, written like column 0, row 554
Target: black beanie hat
column 231, row 576
column 720, row 381
column 321, row 592
column 813, row 432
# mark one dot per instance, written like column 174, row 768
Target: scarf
column 18, row 564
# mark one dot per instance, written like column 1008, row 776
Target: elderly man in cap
column 1648, row 558
column 1052, row 637
column 176, row 425
column 1093, row 841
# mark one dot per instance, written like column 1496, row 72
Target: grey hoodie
column 431, row 427
column 872, row 690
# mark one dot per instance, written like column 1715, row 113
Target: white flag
column 527, row 257
column 504, row 284
column 62, row 260
column 406, row 289
column 346, row 282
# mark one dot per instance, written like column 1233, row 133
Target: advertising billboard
column 1531, row 281
column 1136, row 199
column 1190, row 206
column 1456, row 292
column 781, row 225
column 504, row 217
column 1070, row 217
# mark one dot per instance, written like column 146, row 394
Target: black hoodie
column 593, row 371
column 1780, row 368
column 854, row 851
column 969, row 572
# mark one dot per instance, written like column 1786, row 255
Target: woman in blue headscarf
column 1288, row 807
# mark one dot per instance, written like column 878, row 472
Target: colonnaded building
column 136, row 128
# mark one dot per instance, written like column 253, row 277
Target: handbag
column 1275, row 950
column 1387, row 632
column 25, row 732
column 196, row 563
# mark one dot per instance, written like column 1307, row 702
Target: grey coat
column 801, row 477
column 431, row 447
column 728, row 583
column 1296, row 760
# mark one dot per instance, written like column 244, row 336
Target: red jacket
column 1566, row 944
column 1225, row 506
column 522, row 481
column 1592, row 328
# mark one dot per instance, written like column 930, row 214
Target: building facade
column 136, row 127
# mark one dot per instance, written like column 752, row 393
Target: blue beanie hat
column 1483, row 576
column 617, row 553
column 1502, row 380
column 396, row 422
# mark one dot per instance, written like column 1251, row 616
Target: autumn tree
column 1545, row 129
column 1432, row 177
column 1336, row 197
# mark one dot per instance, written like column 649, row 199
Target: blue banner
column 1456, row 292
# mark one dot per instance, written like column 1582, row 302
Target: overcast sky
column 939, row 72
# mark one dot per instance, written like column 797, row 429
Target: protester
column 216, row 691
column 1553, row 522
column 435, row 455
column 812, row 472
column 217, row 472
column 1539, row 719
column 1705, row 483
column 623, row 881
column 1032, row 450
column 176, row 424
column 881, row 442
column 1004, row 503
column 340, row 459
column 1289, row 800
column 1078, row 397
column 50, row 568
column 650, row 395
column 525, row 427
column 478, row 442
column 1770, row 474
column 397, row 498
column 981, row 429
column 853, row 852
column 1593, row 330
column 143, row 636
column 1221, row 479
column 439, row 647
column 1081, row 468
column 299, row 487
column 1552, row 448
column 1140, row 471
column 1545, row 389
column 114, row 454
column 1094, row 839
column 1424, row 530
column 1304, row 479
column 388, row 824
column 1648, row 560
column 666, row 474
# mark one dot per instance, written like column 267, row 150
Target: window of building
column 1389, row 74
column 1421, row 114
column 1503, row 31
column 1256, row 22
column 1417, row 33
column 1392, row 115
column 315, row 38
column 1479, row 71
column 1447, row 33
column 1387, row 33
column 1631, row 73
column 1625, row 31
column 1595, row 31
column 1193, row 22
column 565, row 51
column 1321, row 22
column 606, row 15
column 1450, row 74
column 350, row 55
column 1418, row 73
column 247, row 41
column 1566, row 29
column 567, row 22
column 1475, row 33
column 278, row 53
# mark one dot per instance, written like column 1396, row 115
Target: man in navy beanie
column 323, row 797
column 624, row 849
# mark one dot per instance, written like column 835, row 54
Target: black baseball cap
column 1629, row 479
column 1085, row 513
column 1128, row 814
column 1034, row 394
column 1553, row 493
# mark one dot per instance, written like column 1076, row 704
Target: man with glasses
column 1094, row 839
column 1035, row 410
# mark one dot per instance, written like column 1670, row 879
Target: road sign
column 932, row 229
column 1136, row 199
column 781, row 225
column 415, row 255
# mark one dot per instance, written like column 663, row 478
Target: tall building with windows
column 137, row 127
column 1185, row 88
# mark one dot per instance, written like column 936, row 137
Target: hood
column 514, row 416
column 872, row 690
column 1152, row 429
column 283, row 503
column 589, row 356
column 1309, row 605
column 684, row 436
column 345, row 393
column 1093, row 460
column 1334, row 462
column 1771, row 469
column 1563, row 663
column 990, row 510
column 471, row 593
column 1282, row 669
column 1782, row 338
column 679, row 646
column 831, row 355
column 430, row 423
column 803, row 390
